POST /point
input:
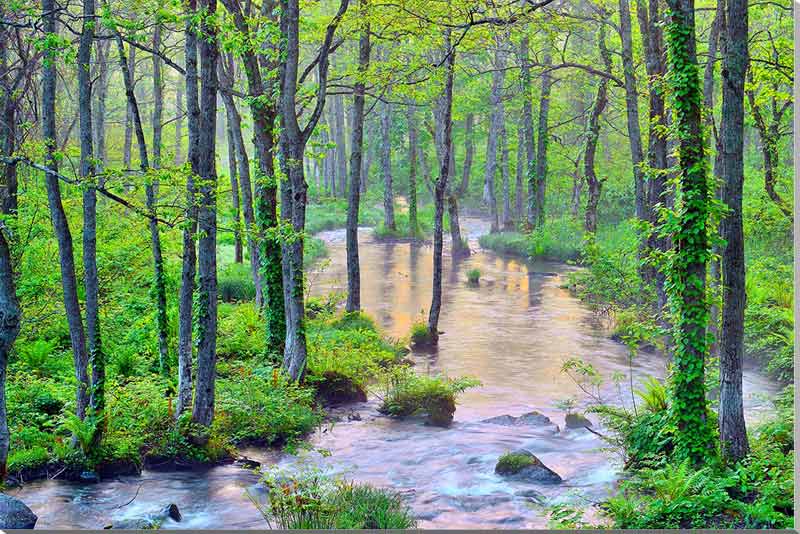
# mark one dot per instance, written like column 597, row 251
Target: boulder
column 524, row 466
column 574, row 420
column 149, row 522
column 14, row 514
column 527, row 419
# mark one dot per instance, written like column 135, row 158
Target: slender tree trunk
column 688, row 269
column 87, row 170
column 505, row 172
column 203, row 407
column 151, row 192
column 386, row 167
column 632, row 106
column 497, row 123
column 413, row 224
column 237, row 219
column 595, row 184
column 469, row 148
column 541, row 156
column 58, row 217
column 732, row 430
column 341, row 145
column 356, row 154
column 99, row 119
column 128, row 143
column 179, row 125
column 189, row 253
column 527, row 132
column 444, row 110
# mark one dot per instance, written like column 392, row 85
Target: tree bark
column 101, row 94
column 527, row 129
column 595, row 184
column 469, row 149
column 386, row 166
column 179, row 125
column 519, row 169
column 96, row 359
column 413, row 224
column 128, row 143
column 541, row 155
column 189, row 252
column 496, row 123
column 732, row 430
column 356, row 155
column 236, row 211
column 505, row 172
column 58, row 217
column 632, row 106
column 203, row 407
column 444, row 109
column 341, row 144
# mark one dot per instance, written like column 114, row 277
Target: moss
column 512, row 463
column 474, row 277
column 420, row 335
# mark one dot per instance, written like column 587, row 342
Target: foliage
column 405, row 393
column 310, row 500
column 509, row 243
column 511, row 463
column 474, row 276
column 420, row 334
column 235, row 283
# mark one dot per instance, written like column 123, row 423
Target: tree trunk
column 386, row 166
column 632, row 106
column 444, row 109
column 91, row 283
column 189, row 253
column 413, row 224
column 356, row 155
column 128, row 143
column 151, row 191
column 10, row 318
column 505, row 172
column 595, row 184
column 178, row 125
column 341, row 144
column 519, row 169
column 527, row 131
column 99, row 119
column 497, row 123
column 732, row 430
column 541, row 156
column 469, row 148
column 687, row 282
column 236, row 211
column 203, row 407
column 58, row 217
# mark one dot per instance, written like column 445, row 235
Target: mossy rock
column 523, row 465
column 441, row 410
column 335, row 388
column 575, row 420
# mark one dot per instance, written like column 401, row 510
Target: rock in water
column 171, row 511
column 15, row 514
column 527, row 419
column 574, row 420
column 522, row 465
column 148, row 522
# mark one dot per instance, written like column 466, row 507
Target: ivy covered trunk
column 686, row 283
column 203, row 407
column 413, row 224
column 496, row 120
column 386, row 166
column 541, row 152
column 732, row 430
column 527, row 131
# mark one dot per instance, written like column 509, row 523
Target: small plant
column 420, row 334
column 512, row 463
column 654, row 395
column 235, row 283
column 474, row 277
column 406, row 393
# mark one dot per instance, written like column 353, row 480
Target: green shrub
column 558, row 239
column 241, row 331
column 309, row 500
column 235, row 283
column 420, row 335
column 405, row 393
column 330, row 214
column 474, row 276
column 509, row 243
column 314, row 249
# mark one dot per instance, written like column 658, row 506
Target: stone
column 15, row 514
column 574, row 420
column 527, row 419
column 90, row 477
column 524, row 466
column 148, row 522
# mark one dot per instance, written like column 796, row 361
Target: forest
column 317, row 264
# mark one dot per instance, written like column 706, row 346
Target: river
column 513, row 332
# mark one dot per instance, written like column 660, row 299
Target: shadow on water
column 513, row 331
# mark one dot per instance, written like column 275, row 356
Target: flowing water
column 513, row 332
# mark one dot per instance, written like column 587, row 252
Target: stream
column 513, row 332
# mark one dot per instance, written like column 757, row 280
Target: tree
column 541, row 151
column 203, row 406
column 687, row 270
column 496, row 123
column 292, row 143
column 732, row 430
column 356, row 155
column 386, row 166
